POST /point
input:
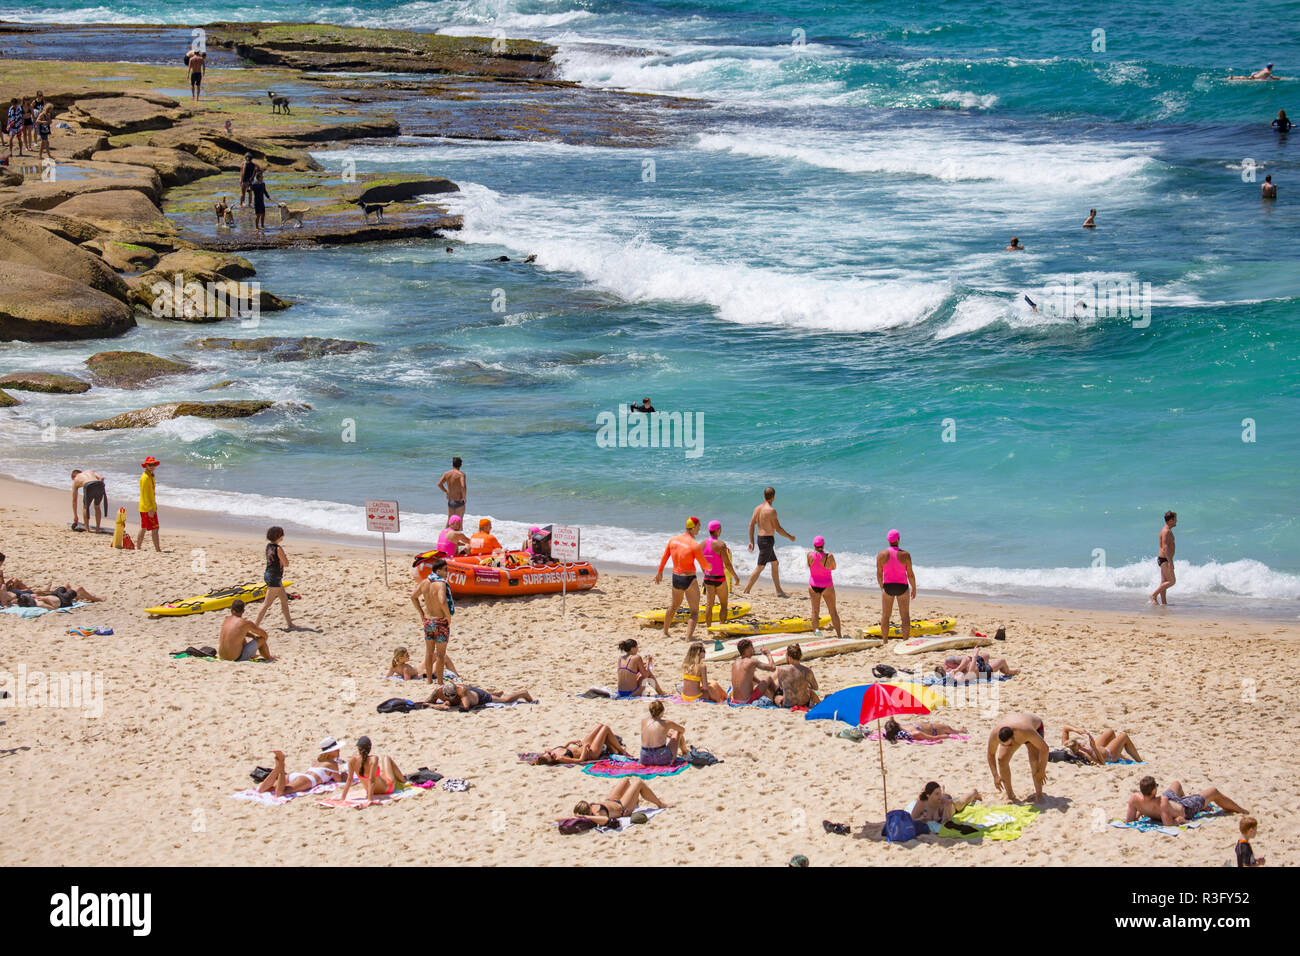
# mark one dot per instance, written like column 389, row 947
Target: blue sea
column 816, row 276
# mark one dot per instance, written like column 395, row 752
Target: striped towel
column 617, row 766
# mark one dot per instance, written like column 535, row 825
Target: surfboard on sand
column 935, row 626
column 827, row 647
column 786, row 625
column 940, row 642
column 650, row 618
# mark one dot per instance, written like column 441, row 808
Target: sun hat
column 151, row 460
column 329, row 744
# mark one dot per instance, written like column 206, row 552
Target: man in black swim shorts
column 91, row 486
column 196, row 61
column 768, row 525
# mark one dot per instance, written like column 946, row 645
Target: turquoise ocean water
column 817, row 272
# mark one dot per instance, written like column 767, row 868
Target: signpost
column 383, row 516
column 565, row 546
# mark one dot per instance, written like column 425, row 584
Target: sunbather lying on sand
column 468, row 697
column 402, row 666
column 326, row 769
column 921, row 730
column 64, row 595
column 621, row 802
column 934, row 804
column 1107, row 747
column 601, row 742
column 1173, row 807
column 961, row 669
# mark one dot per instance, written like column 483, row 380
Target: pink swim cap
column 534, row 529
column 893, row 536
column 715, row 525
column 454, row 519
column 818, row 541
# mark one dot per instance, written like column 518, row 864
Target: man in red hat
column 148, row 503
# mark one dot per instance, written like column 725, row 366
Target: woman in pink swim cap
column 821, row 584
column 895, row 577
column 718, row 569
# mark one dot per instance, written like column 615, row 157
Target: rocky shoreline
column 122, row 223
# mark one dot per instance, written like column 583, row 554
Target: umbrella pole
column 884, row 790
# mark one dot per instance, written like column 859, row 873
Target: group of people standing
column 29, row 119
column 894, row 574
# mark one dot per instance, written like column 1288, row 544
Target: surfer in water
column 1165, row 561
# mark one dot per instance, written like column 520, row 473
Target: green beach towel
column 1003, row 822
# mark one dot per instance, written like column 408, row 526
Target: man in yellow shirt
column 148, row 504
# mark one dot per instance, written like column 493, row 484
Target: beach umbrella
column 868, row 702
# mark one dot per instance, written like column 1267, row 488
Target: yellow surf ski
column 787, row 625
column 214, row 601
column 650, row 618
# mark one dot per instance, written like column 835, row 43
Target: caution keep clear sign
column 383, row 516
column 565, row 543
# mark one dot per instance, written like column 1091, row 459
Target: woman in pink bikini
column 894, row 575
column 821, row 585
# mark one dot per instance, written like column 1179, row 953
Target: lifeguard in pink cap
column 821, row 585
column 895, row 577
column 717, row 571
column 452, row 540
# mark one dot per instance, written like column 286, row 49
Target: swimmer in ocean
column 1015, row 245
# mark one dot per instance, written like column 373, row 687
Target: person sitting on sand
column 401, row 666
column 746, row 686
column 1091, row 221
column 695, row 678
column 634, row 672
column 325, row 770
column 962, row 669
column 1015, row 245
column 797, row 683
column 1007, row 736
column 467, row 697
column 241, row 640
column 621, row 802
column 1107, row 747
column 662, row 741
column 934, row 804
column 601, row 742
column 919, row 731
column 1174, row 807
column 483, row 541
column 379, row 775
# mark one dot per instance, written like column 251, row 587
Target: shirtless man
column 746, row 686
column 798, row 685
column 686, row 553
column 197, row 63
column 466, row 697
column 241, row 640
column 1015, row 245
column 1166, row 559
column 716, row 576
column 435, row 621
column 1091, row 221
column 1009, row 735
column 768, row 525
column 1269, row 188
column 454, row 486
column 1264, row 74
column 1173, row 807
column 91, row 486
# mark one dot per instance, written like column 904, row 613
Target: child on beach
column 276, row 563
column 1245, row 855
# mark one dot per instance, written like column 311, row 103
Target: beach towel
column 494, row 705
column 26, row 612
column 187, row 655
column 269, row 799
column 611, row 693
column 1147, row 825
column 1001, row 822
column 90, row 630
column 934, row 680
column 446, row 675
column 617, row 766
column 359, row 803
column 624, row 823
column 873, row 735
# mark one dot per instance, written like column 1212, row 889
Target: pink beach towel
column 873, row 735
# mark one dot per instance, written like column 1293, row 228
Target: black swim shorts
column 682, row 581
column 766, row 550
column 92, row 493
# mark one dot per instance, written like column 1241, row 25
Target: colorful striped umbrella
column 868, row 702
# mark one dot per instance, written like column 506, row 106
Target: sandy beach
column 1207, row 701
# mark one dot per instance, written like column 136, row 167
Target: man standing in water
column 1166, row 559
column 895, row 577
column 453, row 485
column 768, row 525
column 685, row 552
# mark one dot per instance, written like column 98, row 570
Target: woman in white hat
column 324, row 770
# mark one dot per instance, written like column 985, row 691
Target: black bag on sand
column 399, row 705
column 701, row 758
column 259, row 774
column 883, row 670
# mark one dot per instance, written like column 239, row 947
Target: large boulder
column 54, row 383
column 131, row 369
column 404, row 189
column 25, row 244
column 7, row 400
column 38, row 306
column 225, row 264
column 174, row 166
column 156, row 414
column 181, row 288
column 45, row 195
column 123, row 114
column 284, row 349
column 117, row 210
column 218, row 149
column 74, row 230
column 123, row 256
